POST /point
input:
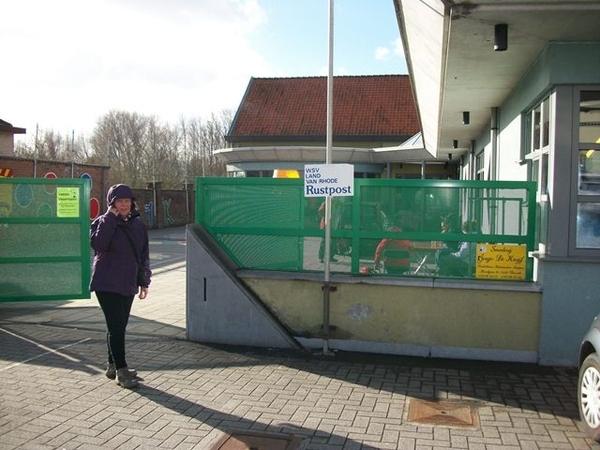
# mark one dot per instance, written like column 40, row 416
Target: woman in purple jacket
column 120, row 242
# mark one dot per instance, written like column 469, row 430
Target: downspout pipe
column 494, row 141
column 472, row 163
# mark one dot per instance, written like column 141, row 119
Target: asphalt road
column 167, row 246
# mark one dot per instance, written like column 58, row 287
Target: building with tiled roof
column 281, row 124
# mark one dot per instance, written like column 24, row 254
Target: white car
column 588, row 386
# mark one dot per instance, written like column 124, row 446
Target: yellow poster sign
column 67, row 202
column 501, row 262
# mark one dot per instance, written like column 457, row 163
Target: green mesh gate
column 268, row 224
column 44, row 239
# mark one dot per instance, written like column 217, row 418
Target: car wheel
column 588, row 398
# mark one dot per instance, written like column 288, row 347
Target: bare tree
column 121, row 140
column 50, row 145
column 194, row 149
column 163, row 156
column 202, row 138
column 139, row 150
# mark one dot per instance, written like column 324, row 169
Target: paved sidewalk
column 54, row 395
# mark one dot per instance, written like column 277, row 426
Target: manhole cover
column 448, row 413
column 257, row 441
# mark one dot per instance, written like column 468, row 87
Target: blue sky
column 295, row 38
column 72, row 61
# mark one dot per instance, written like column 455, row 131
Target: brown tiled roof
column 363, row 106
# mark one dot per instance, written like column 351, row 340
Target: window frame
column 577, row 197
column 539, row 125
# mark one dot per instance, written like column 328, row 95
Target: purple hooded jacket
column 115, row 266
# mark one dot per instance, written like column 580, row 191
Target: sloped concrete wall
column 220, row 309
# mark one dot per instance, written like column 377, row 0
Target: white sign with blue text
column 322, row 180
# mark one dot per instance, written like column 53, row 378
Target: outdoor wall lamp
column 449, row 156
column 500, row 37
column 466, row 117
column 454, row 143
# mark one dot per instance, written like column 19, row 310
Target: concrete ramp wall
column 220, row 308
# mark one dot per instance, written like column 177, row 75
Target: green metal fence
column 44, row 239
column 268, row 224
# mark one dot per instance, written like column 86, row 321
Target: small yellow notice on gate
column 501, row 262
column 67, row 201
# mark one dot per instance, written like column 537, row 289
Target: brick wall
column 165, row 208
column 160, row 209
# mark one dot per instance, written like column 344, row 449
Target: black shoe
column 124, row 379
column 111, row 372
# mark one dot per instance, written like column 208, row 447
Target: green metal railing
column 268, row 224
column 44, row 239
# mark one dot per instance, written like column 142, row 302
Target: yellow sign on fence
column 507, row 262
column 67, row 201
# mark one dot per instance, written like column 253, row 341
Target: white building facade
column 513, row 89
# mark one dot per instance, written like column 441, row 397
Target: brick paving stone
column 192, row 393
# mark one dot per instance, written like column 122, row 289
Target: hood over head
column 119, row 191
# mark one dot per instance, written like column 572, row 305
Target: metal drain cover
column 448, row 413
column 248, row 440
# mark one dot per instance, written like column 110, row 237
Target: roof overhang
column 8, row 128
column 411, row 150
column 453, row 66
column 307, row 154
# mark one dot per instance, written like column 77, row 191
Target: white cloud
column 72, row 61
column 69, row 62
column 382, row 53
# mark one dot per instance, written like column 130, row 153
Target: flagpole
column 328, row 152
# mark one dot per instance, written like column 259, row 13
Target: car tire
column 588, row 395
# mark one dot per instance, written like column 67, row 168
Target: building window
column 480, row 166
column 366, row 175
column 588, row 171
column 537, row 122
column 259, row 173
